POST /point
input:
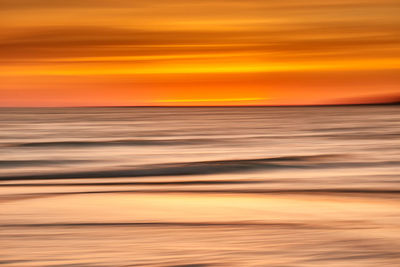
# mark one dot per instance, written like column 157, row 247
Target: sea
column 200, row 186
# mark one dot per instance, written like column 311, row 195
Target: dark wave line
column 192, row 168
column 129, row 142
column 206, row 182
column 333, row 191
column 262, row 191
column 165, row 224
column 23, row 163
column 361, row 136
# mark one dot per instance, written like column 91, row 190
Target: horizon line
column 389, row 103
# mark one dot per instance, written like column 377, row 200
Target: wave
column 127, row 142
column 362, row 136
column 25, row 163
column 205, row 182
column 348, row 192
column 165, row 224
column 190, row 168
column 212, row 167
column 248, row 191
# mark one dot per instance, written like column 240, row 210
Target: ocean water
column 197, row 187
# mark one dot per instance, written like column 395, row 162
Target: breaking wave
column 211, row 167
column 187, row 168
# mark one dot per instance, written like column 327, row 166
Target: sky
column 197, row 52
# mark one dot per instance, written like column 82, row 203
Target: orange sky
column 197, row 52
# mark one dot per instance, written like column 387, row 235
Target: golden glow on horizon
column 140, row 58
column 211, row 100
column 61, row 69
column 85, row 52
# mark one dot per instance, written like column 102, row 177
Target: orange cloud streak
column 98, row 52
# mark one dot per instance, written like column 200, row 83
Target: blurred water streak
column 259, row 186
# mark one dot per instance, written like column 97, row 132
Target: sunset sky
column 197, row 52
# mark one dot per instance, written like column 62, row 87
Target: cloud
column 294, row 42
column 199, row 43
